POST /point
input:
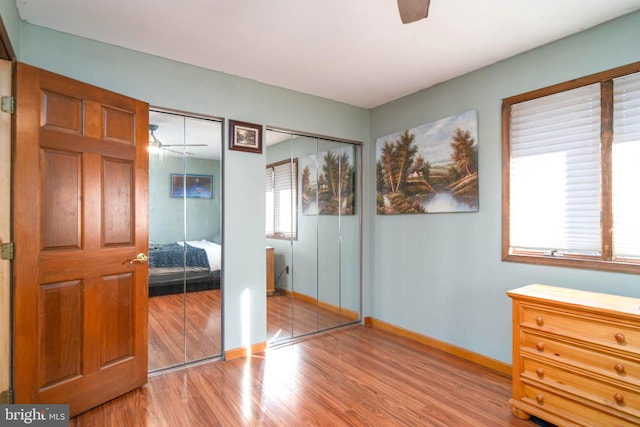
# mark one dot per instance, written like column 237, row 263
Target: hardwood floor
column 184, row 327
column 291, row 316
column 351, row 376
column 198, row 313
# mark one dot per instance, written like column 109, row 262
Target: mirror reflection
column 313, row 226
column 184, row 238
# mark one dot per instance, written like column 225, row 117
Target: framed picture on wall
column 191, row 186
column 245, row 137
column 431, row 168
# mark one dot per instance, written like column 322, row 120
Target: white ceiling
column 354, row 51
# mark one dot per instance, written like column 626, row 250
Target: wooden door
column 80, row 194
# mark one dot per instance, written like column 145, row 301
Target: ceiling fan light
column 413, row 10
column 153, row 140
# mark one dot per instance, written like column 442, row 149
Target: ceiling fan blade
column 177, row 152
column 413, row 10
column 184, row 145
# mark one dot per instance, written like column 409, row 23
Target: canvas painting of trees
column 429, row 169
column 328, row 182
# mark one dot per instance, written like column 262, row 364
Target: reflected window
column 281, row 180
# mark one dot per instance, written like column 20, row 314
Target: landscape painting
column 431, row 168
column 328, row 182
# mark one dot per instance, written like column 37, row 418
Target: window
column 282, row 199
column 571, row 175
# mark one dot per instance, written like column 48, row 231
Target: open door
column 80, row 189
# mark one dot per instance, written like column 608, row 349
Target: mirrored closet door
column 184, row 238
column 313, row 225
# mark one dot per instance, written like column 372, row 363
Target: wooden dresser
column 576, row 357
column 271, row 286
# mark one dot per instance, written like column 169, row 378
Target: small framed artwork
column 245, row 137
column 191, row 186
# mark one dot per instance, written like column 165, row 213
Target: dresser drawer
column 576, row 357
column 603, row 330
column 573, row 410
column 612, row 365
column 616, row 396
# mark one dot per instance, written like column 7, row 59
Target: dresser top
column 590, row 300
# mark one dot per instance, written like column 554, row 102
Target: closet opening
column 314, row 228
column 185, row 238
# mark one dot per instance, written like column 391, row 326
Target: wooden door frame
column 5, row 235
column 6, row 49
column 7, row 58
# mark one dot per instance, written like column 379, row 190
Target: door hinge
column 7, row 251
column 8, row 104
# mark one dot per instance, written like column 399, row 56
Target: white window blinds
column 626, row 166
column 555, row 173
column 270, row 225
column 281, row 195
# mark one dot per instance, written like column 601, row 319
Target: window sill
column 586, row 263
column 281, row 237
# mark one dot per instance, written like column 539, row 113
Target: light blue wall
column 166, row 214
column 441, row 275
column 173, row 85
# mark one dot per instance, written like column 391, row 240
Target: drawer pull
column 619, row 337
column 540, row 372
column 619, row 368
column 539, row 321
column 540, row 346
column 618, row 398
column 540, row 398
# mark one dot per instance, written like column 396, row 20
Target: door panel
column 61, row 210
column 185, row 297
column 61, row 113
column 330, row 199
column 80, row 208
column 60, row 309
column 305, row 259
column 118, row 314
column 117, row 188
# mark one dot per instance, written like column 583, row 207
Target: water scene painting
column 431, row 168
column 328, row 183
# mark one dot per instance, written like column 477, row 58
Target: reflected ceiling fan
column 155, row 143
column 413, row 10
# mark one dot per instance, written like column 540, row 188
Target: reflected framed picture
column 329, row 182
column 245, row 136
column 191, row 186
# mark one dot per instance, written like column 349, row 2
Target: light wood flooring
column 185, row 328
column 291, row 316
column 350, row 376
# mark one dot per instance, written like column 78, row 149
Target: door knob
column 141, row 258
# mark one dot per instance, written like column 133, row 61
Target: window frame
column 606, row 261
column 279, row 235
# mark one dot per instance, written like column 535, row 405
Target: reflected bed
column 174, row 266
